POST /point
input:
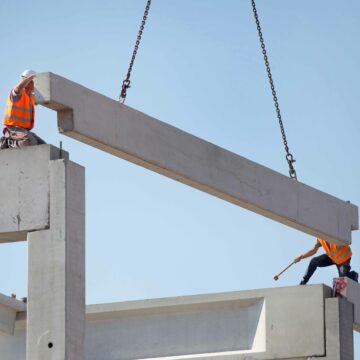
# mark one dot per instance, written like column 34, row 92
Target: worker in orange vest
column 20, row 114
column 339, row 255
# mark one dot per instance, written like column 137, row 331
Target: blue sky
column 199, row 68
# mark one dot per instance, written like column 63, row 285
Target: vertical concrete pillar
column 56, row 286
column 339, row 317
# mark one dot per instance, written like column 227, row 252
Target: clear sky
column 199, row 68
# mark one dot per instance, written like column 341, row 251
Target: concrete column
column 56, row 288
column 339, row 329
column 350, row 290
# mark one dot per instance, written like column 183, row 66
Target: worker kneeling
column 339, row 255
column 19, row 116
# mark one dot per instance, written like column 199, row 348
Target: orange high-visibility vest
column 337, row 253
column 21, row 113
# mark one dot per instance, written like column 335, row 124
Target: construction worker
column 20, row 114
column 335, row 255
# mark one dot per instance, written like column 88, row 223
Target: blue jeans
column 323, row 261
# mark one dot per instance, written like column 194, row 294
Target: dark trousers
column 323, row 261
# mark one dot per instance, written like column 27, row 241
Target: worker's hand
column 297, row 259
column 30, row 78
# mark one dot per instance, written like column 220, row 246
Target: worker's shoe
column 303, row 282
column 354, row 276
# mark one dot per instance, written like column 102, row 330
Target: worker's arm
column 22, row 84
column 308, row 253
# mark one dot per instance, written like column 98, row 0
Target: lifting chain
column 126, row 82
column 289, row 157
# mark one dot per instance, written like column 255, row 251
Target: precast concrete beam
column 129, row 134
column 260, row 324
column 9, row 307
column 24, row 190
column 299, row 322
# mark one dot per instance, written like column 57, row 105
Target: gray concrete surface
column 44, row 202
column 127, row 133
column 24, row 191
column 9, row 307
column 300, row 322
column 238, row 325
column 350, row 290
column 339, row 337
column 56, row 285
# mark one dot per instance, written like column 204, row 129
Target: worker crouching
column 339, row 255
column 19, row 116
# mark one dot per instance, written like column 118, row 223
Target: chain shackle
column 290, row 160
column 289, row 157
column 125, row 86
column 126, row 82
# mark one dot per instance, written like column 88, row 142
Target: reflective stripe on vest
column 21, row 113
column 337, row 253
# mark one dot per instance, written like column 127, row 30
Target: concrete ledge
column 24, row 190
column 129, row 134
column 8, row 309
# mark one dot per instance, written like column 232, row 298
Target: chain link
column 289, row 157
column 126, row 82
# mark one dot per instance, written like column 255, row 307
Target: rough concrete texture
column 240, row 325
column 300, row 322
column 24, row 190
column 56, row 287
column 9, row 307
column 350, row 290
column 127, row 133
column 338, row 330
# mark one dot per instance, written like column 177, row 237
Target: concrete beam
column 24, row 190
column 8, row 309
column 299, row 322
column 129, row 134
column 237, row 325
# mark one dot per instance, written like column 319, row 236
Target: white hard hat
column 28, row 73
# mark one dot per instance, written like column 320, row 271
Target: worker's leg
column 38, row 139
column 354, row 275
column 318, row 261
column 344, row 268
